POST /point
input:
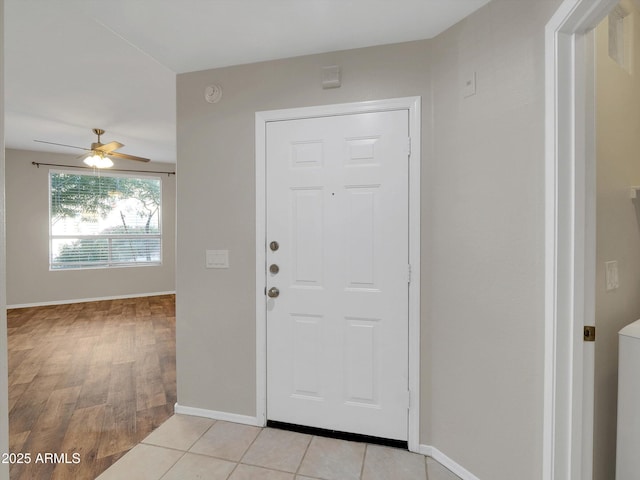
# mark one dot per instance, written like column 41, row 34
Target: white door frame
column 412, row 104
column 569, row 241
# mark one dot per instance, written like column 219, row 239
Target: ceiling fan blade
column 128, row 157
column 109, row 147
column 63, row 145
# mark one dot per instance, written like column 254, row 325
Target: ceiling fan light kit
column 99, row 153
column 98, row 161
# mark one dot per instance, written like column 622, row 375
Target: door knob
column 274, row 268
column 273, row 292
column 274, row 246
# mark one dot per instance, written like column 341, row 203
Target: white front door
column 337, row 333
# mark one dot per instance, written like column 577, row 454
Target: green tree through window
column 104, row 220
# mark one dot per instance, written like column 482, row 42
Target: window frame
column 109, row 264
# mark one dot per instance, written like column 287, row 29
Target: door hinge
column 589, row 334
column 409, row 146
column 409, row 273
column 408, row 399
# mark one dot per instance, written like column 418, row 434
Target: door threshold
column 352, row 437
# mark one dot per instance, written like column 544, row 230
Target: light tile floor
column 186, row 448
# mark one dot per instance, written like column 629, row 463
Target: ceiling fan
column 99, row 153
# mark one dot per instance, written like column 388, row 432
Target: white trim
column 261, row 262
column 447, row 462
column 587, row 111
column 567, row 416
column 415, row 131
column 337, row 109
column 215, row 415
column 85, row 300
column 4, row 376
column 412, row 104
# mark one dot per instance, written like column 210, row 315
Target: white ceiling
column 72, row 65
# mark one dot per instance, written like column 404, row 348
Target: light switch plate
column 217, row 259
column 611, row 275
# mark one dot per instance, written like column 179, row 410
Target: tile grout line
column 304, row 455
column 173, row 465
column 187, row 450
column 234, row 469
column 157, row 446
column 241, row 461
column 206, row 455
column 202, row 435
column 245, row 453
column 184, row 452
column 364, row 458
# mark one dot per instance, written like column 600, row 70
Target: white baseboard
column 445, row 461
column 83, row 300
column 226, row 416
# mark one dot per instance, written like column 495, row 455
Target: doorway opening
column 570, row 241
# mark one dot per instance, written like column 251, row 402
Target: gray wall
column 4, row 395
column 482, row 226
column 29, row 280
column 484, row 262
column 617, row 229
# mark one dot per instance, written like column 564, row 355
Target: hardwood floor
column 91, row 379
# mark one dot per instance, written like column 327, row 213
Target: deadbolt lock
column 273, row 268
column 273, row 292
column 274, row 246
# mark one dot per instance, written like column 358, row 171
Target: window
column 104, row 220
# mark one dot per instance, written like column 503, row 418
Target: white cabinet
column 628, row 443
